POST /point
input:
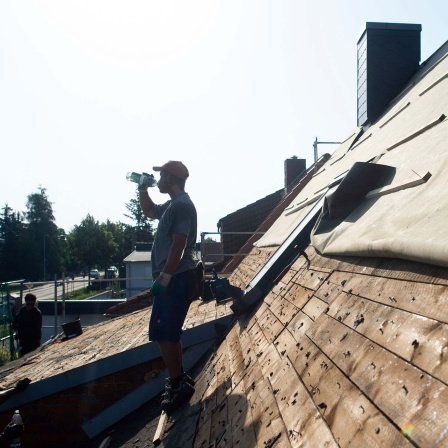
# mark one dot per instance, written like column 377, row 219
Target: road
column 46, row 291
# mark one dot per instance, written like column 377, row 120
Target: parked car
column 94, row 273
column 110, row 273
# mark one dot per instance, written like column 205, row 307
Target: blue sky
column 90, row 90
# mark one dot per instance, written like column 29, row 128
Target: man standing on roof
column 173, row 270
column 28, row 325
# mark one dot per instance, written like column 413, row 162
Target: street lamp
column 45, row 270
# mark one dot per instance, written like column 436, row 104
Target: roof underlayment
column 407, row 218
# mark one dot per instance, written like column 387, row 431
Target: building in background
column 249, row 218
column 138, row 269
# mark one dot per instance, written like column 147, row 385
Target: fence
column 59, row 290
column 9, row 349
column 217, row 253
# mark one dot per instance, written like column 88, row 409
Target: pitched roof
column 347, row 350
column 80, row 375
column 98, row 342
column 138, row 256
column 406, row 218
column 342, row 350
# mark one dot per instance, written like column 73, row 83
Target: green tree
column 42, row 257
column 92, row 244
column 122, row 238
column 142, row 230
column 11, row 237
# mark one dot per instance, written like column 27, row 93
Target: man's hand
column 146, row 181
column 160, row 284
column 141, row 186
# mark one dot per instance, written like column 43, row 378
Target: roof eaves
column 139, row 396
column 112, row 364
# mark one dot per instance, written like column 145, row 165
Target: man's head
column 30, row 300
column 172, row 173
column 175, row 168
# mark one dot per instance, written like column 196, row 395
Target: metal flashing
column 285, row 254
column 388, row 26
column 430, row 69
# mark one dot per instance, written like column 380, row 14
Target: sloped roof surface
column 99, row 342
column 406, row 219
column 299, row 207
column 138, row 255
column 242, row 216
column 347, row 351
column 342, row 352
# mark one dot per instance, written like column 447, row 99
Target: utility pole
column 45, row 260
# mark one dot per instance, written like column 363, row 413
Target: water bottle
column 16, row 420
column 144, row 180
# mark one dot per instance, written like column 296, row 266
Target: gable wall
column 247, row 219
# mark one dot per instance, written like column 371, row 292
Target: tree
column 11, row 234
column 42, row 256
column 122, row 237
column 92, row 244
column 142, row 230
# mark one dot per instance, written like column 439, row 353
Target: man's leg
column 178, row 389
column 172, row 357
column 25, row 347
column 167, row 319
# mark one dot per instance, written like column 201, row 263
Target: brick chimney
column 295, row 169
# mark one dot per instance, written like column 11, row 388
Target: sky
column 92, row 89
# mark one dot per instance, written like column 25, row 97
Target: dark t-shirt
column 28, row 324
column 175, row 216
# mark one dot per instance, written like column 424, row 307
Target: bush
column 5, row 356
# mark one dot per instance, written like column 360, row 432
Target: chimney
column 295, row 169
column 388, row 56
